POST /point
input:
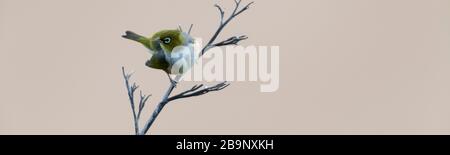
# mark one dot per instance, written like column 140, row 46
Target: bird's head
column 169, row 39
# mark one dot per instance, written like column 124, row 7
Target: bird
column 171, row 51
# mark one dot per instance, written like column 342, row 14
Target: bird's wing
column 158, row 61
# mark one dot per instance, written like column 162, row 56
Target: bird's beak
column 158, row 40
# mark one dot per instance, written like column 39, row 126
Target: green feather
column 177, row 37
column 136, row 37
column 158, row 62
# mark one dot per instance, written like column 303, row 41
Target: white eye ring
column 167, row 40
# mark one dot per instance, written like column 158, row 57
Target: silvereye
column 172, row 50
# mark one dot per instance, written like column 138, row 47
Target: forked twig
column 232, row 40
column 143, row 99
column 194, row 91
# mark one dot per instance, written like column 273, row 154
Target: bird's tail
column 133, row 36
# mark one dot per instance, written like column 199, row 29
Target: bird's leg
column 171, row 80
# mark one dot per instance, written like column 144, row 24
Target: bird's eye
column 167, row 40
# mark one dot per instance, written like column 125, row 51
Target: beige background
column 347, row 67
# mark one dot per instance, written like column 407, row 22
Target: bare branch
column 194, row 88
column 130, row 90
column 143, row 99
column 190, row 28
column 158, row 109
column 222, row 13
column 222, row 25
column 237, row 2
column 195, row 92
column 244, row 8
column 231, row 41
